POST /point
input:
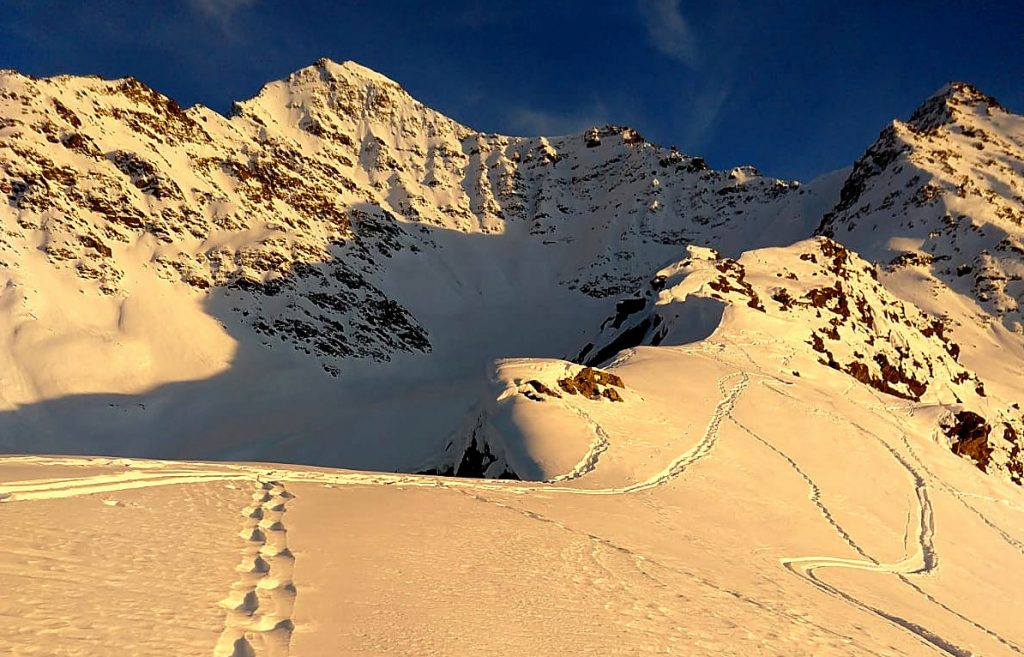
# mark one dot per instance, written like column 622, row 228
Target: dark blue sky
column 795, row 88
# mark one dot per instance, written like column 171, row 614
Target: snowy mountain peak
column 944, row 193
column 329, row 77
column 351, row 70
column 323, row 96
column 954, row 102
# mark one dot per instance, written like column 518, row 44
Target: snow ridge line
column 226, row 472
column 259, row 607
column 675, row 468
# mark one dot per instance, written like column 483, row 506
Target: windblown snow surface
column 602, row 399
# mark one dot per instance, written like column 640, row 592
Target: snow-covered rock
column 821, row 299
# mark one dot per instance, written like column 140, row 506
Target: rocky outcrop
column 969, row 437
column 540, row 388
column 593, row 384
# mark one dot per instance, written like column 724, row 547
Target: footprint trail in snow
column 258, row 621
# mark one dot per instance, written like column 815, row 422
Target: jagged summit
column 350, row 68
column 328, row 76
column 324, row 88
column 944, row 192
column 328, row 92
column 950, row 104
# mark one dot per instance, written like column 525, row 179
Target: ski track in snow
column 927, row 551
column 1010, row 540
column 598, row 446
column 925, row 555
column 259, row 607
column 815, row 491
column 639, row 561
column 957, row 495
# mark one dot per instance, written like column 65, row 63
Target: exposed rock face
column 471, row 455
column 95, row 167
column 593, row 384
column 969, row 433
column 989, row 447
column 1015, row 446
column 542, row 389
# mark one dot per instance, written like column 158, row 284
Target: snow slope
column 873, row 538
column 821, row 300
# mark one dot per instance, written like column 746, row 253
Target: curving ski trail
column 946, row 488
column 641, row 562
column 924, row 561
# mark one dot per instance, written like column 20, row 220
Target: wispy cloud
column 220, row 9
column 531, row 121
column 708, row 85
column 669, row 30
column 704, row 109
